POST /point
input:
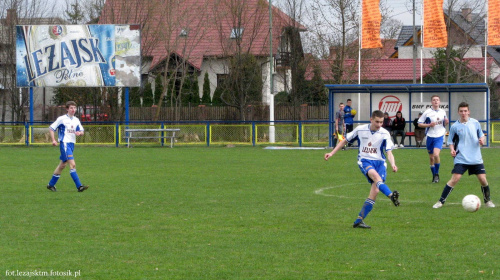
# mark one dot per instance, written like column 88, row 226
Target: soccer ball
column 471, row 203
column 353, row 112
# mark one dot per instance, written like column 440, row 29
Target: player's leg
column 457, row 172
column 366, row 208
column 438, row 145
column 51, row 186
column 485, row 189
column 369, row 169
column 72, row 170
column 430, row 151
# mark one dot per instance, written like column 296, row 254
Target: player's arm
column 339, row 146
column 79, row 129
column 390, row 157
column 452, row 150
column 52, row 136
column 482, row 140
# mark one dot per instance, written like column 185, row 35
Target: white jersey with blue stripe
column 438, row 116
column 67, row 127
column 372, row 144
column 465, row 138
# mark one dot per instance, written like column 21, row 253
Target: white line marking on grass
column 321, row 191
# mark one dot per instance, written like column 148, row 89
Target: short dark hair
column 348, row 99
column 341, row 103
column 463, row 105
column 377, row 114
column 435, row 95
column 70, row 103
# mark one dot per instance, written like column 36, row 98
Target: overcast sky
column 400, row 9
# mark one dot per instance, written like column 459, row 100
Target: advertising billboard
column 78, row 55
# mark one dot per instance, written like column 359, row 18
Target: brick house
column 205, row 33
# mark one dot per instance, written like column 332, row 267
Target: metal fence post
column 254, row 135
column 27, row 133
column 117, row 134
column 300, row 134
column 162, row 134
column 208, row 134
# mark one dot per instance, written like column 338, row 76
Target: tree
column 74, row 12
column 205, row 99
column 243, row 84
column 319, row 93
column 14, row 13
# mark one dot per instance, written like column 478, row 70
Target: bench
column 163, row 133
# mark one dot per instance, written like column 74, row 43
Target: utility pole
column 271, row 78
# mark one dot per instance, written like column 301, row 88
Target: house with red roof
column 466, row 33
column 205, row 33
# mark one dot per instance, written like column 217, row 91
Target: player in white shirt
column 374, row 140
column 68, row 127
column 465, row 141
column 434, row 120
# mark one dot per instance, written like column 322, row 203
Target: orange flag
column 370, row 26
column 435, row 35
column 493, row 22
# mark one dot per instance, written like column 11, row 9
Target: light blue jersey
column 465, row 138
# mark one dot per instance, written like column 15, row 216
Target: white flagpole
column 486, row 48
column 360, row 36
column 422, row 47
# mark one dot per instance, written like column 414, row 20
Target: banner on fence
column 78, row 55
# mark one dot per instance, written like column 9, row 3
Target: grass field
column 239, row 213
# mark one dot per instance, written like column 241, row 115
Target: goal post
column 410, row 99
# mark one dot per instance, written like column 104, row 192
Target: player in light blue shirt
column 374, row 140
column 68, row 127
column 465, row 140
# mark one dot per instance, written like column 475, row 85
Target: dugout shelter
column 410, row 99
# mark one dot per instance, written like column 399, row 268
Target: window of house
column 184, row 33
column 236, row 33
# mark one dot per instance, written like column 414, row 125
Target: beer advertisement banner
column 435, row 35
column 370, row 28
column 494, row 22
column 78, row 55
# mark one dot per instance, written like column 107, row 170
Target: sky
column 400, row 9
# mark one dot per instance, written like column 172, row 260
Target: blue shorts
column 474, row 169
column 380, row 166
column 434, row 143
column 66, row 151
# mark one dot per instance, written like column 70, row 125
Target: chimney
column 11, row 16
column 467, row 14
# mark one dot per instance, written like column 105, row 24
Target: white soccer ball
column 471, row 203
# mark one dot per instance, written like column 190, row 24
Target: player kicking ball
column 68, row 127
column 373, row 141
column 465, row 140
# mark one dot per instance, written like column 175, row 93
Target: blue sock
column 383, row 188
column 436, row 167
column 54, row 179
column 73, row 174
column 433, row 169
column 367, row 207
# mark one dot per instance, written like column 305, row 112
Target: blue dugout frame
column 404, row 88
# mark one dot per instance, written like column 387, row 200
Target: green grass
column 239, row 213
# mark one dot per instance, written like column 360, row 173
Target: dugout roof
column 398, row 88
